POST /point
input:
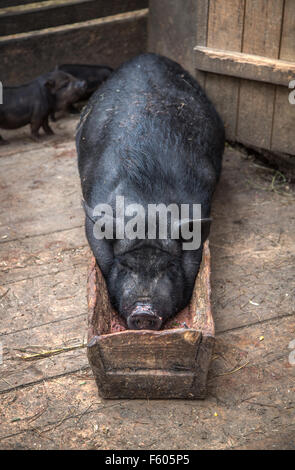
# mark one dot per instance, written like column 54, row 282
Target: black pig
column 93, row 75
column 33, row 102
column 149, row 134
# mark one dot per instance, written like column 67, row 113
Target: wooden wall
column 244, row 57
column 34, row 38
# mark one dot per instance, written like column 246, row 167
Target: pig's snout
column 143, row 318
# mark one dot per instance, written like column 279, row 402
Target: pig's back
column 152, row 129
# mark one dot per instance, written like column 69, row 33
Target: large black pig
column 149, row 134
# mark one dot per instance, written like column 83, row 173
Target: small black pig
column 33, row 102
column 94, row 75
column 150, row 135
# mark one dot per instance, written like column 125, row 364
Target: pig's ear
column 50, row 83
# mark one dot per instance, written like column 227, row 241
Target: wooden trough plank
column 110, row 41
column 242, row 65
column 48, row 14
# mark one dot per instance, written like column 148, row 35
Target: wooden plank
column 247, row 66
column 110, row 40
column 224, row 92
column 202, row 12
column 283, row 124
column 287, row 51
column 284, row 111
column 10, row 3
column 256, row 108
column 172, row 30
column 48, row 14
column 141, row 364
column 262, row 29
column 225, row 25
column 225, row 31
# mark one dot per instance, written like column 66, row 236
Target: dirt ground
column 52, row 402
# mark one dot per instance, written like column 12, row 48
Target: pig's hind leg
column 46, row 127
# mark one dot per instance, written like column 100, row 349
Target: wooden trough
column 170, row 363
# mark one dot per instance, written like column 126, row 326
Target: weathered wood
column 110, row 41
column 247, row 66
column 224, row 91
column 224, row 17
column 287, row 51
column 171, row 363
column 10, row 3
column 49, row 14
column 172, row 30
column 202, row 7
column 283, row 122
column 262, row 27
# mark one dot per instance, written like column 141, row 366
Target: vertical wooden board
column 224, row 92
column 225, row 31
column 201, row 18
column 284, row 122
column 255, row 113
column 262, row 32
column 225, row 24
column 262, row 28
column 172, row 30
column 288, row 33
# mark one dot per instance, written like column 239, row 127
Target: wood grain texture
column 256, row 107
column 50, row 14
column 262, row 28
column 110, row 41
column 284, row 122
column 287, row 51
column 172, row 30
column 247, row 66
column 172, row 362
column 225, row 24
column 225, row 31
